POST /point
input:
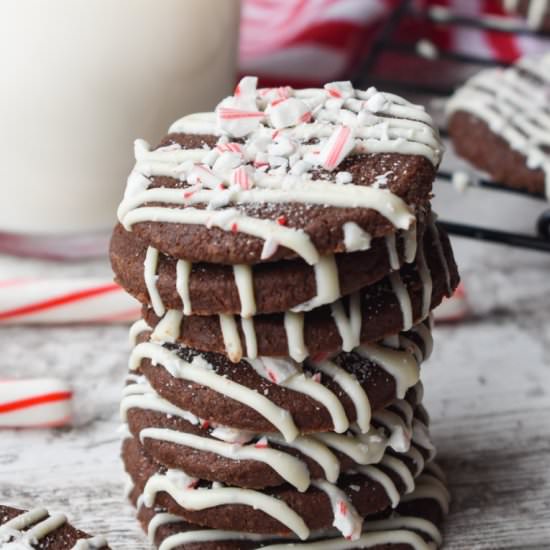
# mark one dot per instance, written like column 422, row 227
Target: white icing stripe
column 392, row 251
column 150, row 278
column 136, row 329
column 143, row 396
column 291, row 469
column 245, row 286
column 300, row 383
column 201, row 499
column 348, row 327
column 352, row 388
column 327, row 282
column 183, row 274
column 362, row 449
column 294, row 239
column 346, row 518
column 430, row 487
column 158, row 520
column 401, row 434
column 24, row 520
column 177, row 367
column 403, row 522
column 208, row 535
column 231, row 337
column 402, row 294
column 90, row 543
column 315, row 450
column 46, row 526
column 383, row 479
column 168, row 328
column 411, row 244
column 294, row 329
column 251, row 341
column 401, row 470
column 400, row 364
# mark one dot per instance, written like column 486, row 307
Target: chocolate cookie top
column 282, row 510
column 267, row 395
column 413, row 525
column 393, row 304
column 280, row 173
column 206, row 289
column 38, row 529
column 500, row 121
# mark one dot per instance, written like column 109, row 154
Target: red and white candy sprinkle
column 289, row 112
column 337, row 148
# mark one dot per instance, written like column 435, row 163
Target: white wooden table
column 487, row 389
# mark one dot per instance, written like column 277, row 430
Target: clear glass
column 80, row 81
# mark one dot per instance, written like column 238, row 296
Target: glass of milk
column 79, row 81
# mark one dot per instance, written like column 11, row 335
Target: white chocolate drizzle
column 349, row 327
column 403, row 297
column 150, row 277
column 231, row 337
column 183, row 274
column 245, row 286
column 294, row 329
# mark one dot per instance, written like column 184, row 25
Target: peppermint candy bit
column 205, row 424
column 241, row 178
column 262, row 443
column 234, row 228
column 229, row 113
column 317, row 377
column 246, row 86
column 337, row 147
column 281, row 220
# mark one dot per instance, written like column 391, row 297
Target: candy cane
column 36, row 403
column 337, row 147
column 65, row 301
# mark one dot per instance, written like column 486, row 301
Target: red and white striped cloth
column 309, row 42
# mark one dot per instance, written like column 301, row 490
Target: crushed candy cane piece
column 242, row 178
column 337, row 147
column 262, row 443
column 288, row 112
column 246, row 86
column 340, row 90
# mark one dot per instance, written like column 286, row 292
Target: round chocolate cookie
column 257, row 461
column 499, row 122
column 269, row 287
column 38, row 529
column 413, row 525
column 375, row 312
column 267, row 177
column 268, row 395
column 281, row 510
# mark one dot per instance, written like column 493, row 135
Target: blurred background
column 81, row 79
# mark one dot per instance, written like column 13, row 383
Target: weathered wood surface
column 487, row 389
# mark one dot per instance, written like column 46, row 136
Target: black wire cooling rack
column 422, row 65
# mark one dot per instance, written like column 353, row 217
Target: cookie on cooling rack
column 39, row 529
column 500, row 122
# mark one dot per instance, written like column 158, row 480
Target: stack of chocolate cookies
column 287, row 260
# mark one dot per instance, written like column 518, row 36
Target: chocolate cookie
column 266, row 395
column 277, row 511
column 256, row 461
column 499, row 121
column 411, row 526
column 206, row 289
column 267, row 177
column 382, row 309
column 38, row 529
